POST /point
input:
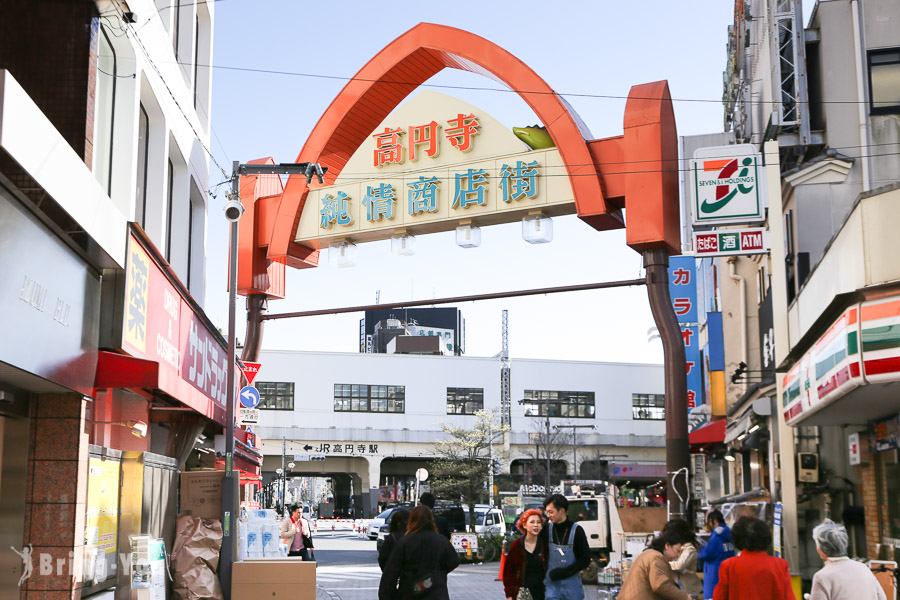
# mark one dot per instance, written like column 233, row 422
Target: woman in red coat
column 753, row 575
column 526, row 561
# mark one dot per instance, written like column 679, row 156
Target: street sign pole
column 228, row 499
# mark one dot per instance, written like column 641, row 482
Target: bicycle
column 490, row 545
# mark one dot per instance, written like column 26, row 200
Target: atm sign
column 752, row 240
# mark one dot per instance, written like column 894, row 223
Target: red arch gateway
column 401, row 67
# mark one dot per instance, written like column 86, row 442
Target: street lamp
column 233, row 212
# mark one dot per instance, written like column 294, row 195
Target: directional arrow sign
column 307, row 447
column 249, row 396
column 251, row 370
column 249, row 415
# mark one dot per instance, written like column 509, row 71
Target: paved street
column 348, row 570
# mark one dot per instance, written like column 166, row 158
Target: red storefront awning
column 123, row 371
column 711, row 433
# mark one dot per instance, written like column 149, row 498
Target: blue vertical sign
column 683, row 290
column 691, row 336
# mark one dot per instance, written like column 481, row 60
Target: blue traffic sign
column 249, row 396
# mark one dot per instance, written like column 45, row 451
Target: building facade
column 374, row 418
column 109, row 368
column 824, row 304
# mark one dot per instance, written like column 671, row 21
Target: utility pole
column 505, row 392
column 233, row 212
column 574, row 446
column 547, row 449
column 283, row 474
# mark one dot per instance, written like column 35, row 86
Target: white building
column 374, row 417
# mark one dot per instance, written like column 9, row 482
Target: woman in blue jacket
column 717, row 549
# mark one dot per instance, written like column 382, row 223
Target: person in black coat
column 420, row 560
column 440, row 522
column 399, row 522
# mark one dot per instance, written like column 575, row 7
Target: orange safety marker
column 502, row 562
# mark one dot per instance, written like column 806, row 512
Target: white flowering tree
column 463, row 459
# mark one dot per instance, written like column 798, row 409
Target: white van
column 489, row 520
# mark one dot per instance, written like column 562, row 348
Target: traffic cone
column 502, row 562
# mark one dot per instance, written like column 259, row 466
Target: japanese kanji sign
column 160, row 325
column 683, row 288
column 691, row 337
column 752, row 240
column 683, row 291
column 434, row 162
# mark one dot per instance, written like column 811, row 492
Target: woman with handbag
column 526, row 561
column 419, row 563
column 296, row 535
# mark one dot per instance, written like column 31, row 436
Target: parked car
column 382, row 519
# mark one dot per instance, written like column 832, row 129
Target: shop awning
column 123, row 371
column 711, row 433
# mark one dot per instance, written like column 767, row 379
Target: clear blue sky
column 593, row 47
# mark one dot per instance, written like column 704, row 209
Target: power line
column 507, row 90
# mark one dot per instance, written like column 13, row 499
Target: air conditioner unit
column 808, row 467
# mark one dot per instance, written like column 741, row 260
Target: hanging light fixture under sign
column 468, row 235
column 403, row 244
column 537, row 228
column 342, row 254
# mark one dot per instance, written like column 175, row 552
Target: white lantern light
column 537, row 228
column 403, row 244
column 342, row 254
column 468, row 235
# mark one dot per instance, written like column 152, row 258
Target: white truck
column 612, row 532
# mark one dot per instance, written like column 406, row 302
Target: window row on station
column 352, row 397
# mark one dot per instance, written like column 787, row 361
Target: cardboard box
column 201, row 493
column 273, row 591
column 290, row 570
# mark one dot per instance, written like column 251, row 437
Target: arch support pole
column 656, row 264
column 257, row 307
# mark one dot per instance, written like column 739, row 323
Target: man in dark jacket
column 440, row 522
column 569, row 552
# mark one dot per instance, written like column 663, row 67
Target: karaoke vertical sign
column 683, row 291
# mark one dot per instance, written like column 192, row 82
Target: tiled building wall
column 874, row 484
column 56, row 493
column 47, row 46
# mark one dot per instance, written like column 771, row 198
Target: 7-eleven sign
column 251, row 370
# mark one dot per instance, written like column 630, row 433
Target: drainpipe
column 678, row 454
column 257, row 305
column 865, row 164
column 732, row 262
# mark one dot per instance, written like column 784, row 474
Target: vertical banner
column 691, row 337
column 776, row 530
column 683, row 290
column 698, row 466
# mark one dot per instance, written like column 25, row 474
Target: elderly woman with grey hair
column 841, row 578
